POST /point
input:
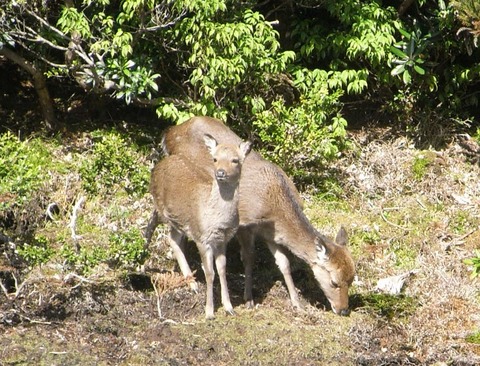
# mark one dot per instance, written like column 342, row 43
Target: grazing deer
column 201, row 204
column 270, row 207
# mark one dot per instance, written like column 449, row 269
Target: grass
column 387, row 306
column 398, row 211
column 268, row 336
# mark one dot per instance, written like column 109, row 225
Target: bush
column 127, row 248
column 37, row 253
column 24, row 167
column 114, row 162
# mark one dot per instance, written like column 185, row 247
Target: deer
column 270, row 207
column 201, row 204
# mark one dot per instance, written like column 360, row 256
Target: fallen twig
column 392, row 224
column 69, row 276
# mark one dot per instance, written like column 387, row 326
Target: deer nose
column 221, row 174
column 345, row 312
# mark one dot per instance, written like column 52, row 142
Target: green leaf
column 398, row 52
column 397, row 70
column 407, row 78
column 419, row 70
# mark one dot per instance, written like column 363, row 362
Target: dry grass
column 418, row 210
column 405, row 210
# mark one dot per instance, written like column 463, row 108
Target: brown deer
column 270, row 207
column 201, row 204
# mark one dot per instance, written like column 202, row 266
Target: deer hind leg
column 207, row 263
column 177, row 243
column 221, row 264
column 246, row 239
column 152, row 225
column 284, row 265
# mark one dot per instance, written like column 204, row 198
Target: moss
column 474, row 338
column 387, row 306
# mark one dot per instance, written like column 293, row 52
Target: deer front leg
column 284, row 265
column 221, row 264
column 177, row 243
column 207, row 263
column 246, row 239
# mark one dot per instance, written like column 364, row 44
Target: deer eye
column 334, row 284
column 235, row 161
column 214, row 160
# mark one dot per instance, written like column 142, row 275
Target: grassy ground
column 75, row 289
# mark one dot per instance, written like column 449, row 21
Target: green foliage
column 127, row 248
column 114, row 163
column 426, row 50
column 420, row 165
column 23, row 168
column 409, row 54
column 234, row 61
column 474, row 338
column 226, row 55
column 108, row 60
column 36, row 253
column 475, row 263
column 362, row 31
column 389, row 306
column 86, row 259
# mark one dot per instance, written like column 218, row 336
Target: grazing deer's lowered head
column 201, row 204
column 334, row 270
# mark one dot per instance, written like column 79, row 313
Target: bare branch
column 73, row 218
column 48, row 25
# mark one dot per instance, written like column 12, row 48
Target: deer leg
column 221, row 264
column 246, row 240
column 177, row 243
column 207, row 263
column 284, row 265
column 152, row 225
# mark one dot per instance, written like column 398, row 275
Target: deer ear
column 210, row 142
column 245, row 147
column 342, row 237
column 322, row 250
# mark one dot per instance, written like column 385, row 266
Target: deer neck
column 296, row 233
column 223, row 202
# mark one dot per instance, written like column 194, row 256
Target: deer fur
column 201, row 204
column 270, row 207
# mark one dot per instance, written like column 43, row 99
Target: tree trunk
column 40, row 84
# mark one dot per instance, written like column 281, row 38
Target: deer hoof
column 231, row 312
column 194, row 286
column 250, row 304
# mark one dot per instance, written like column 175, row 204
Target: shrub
column 23, row 168
column 309, row 133
column 114, row 162
column 36, row 253
column 127, row 248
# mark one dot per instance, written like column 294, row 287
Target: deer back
column 260, row 182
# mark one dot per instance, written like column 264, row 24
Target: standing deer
column 270, row 207
column 201, row 204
